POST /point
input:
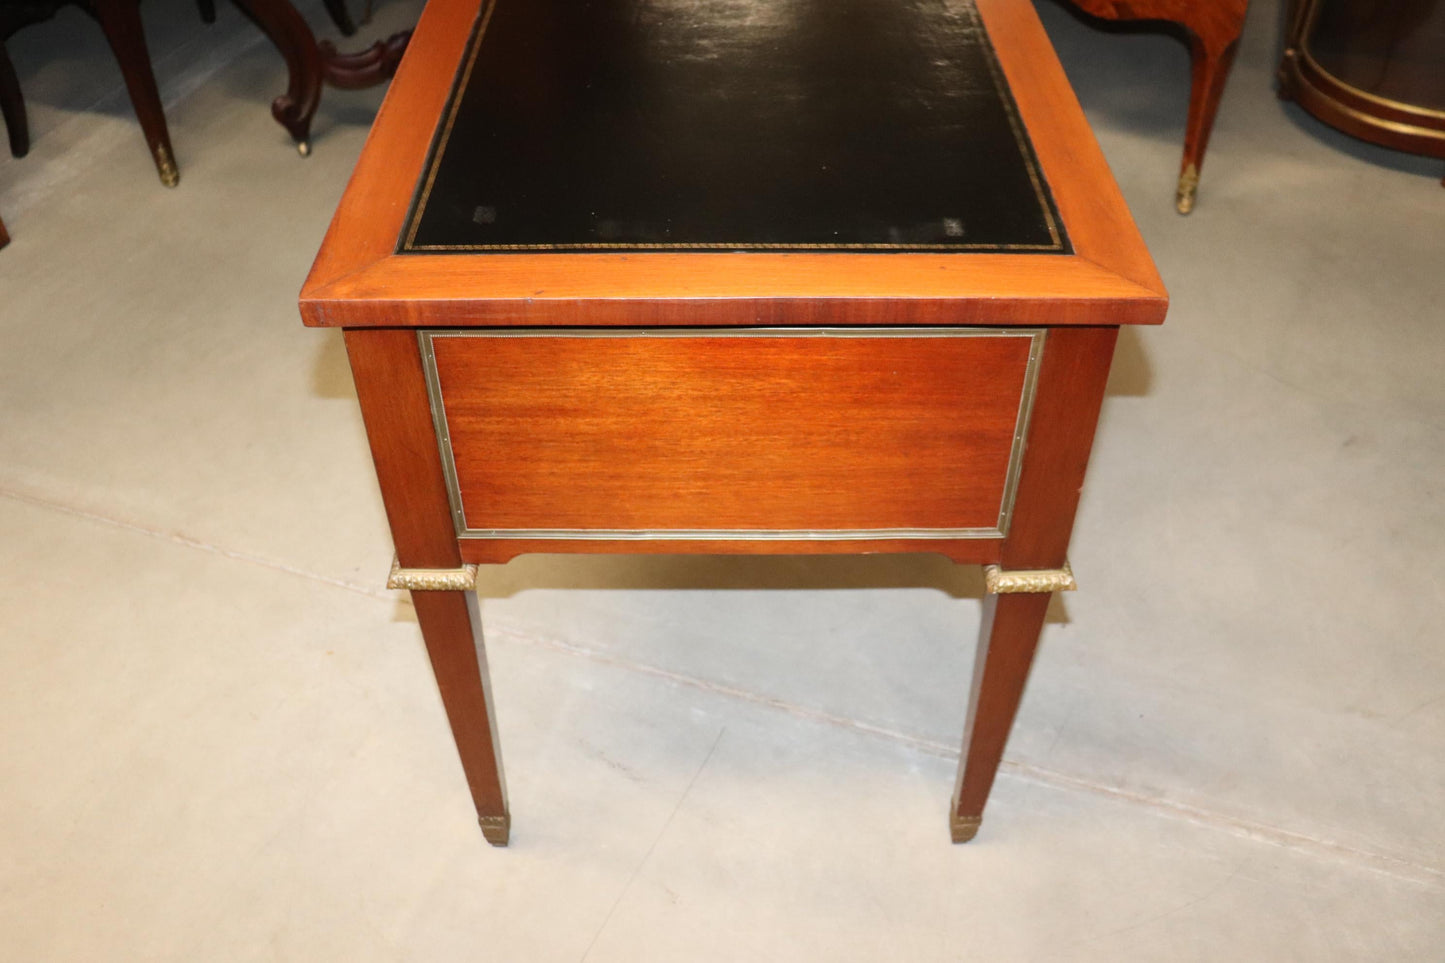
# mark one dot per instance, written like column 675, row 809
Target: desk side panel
column 758, row 436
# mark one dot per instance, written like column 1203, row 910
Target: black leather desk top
column 853, row 125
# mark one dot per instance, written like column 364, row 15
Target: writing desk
column 731, row 276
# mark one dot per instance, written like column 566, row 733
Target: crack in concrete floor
column 500, row 630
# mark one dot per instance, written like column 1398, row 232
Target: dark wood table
column 833, row 277
column 309, row 64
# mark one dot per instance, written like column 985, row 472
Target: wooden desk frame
column 381, row 299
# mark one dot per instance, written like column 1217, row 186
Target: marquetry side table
column 830, row 278
column 1213, row 27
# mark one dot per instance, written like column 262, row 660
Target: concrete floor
column 220, row 738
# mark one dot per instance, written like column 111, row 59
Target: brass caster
column 1188, row 187
column 303, row 147
column 496, row 829
column 964, row 828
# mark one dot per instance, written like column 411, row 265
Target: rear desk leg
column 386, row 364
column 1075, row 369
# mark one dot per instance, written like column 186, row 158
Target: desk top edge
column 358, row 280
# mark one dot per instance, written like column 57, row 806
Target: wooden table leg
column 121, row 23
column 451, row 625
column 12, row 107
column 288, row 31
column 1070, row 392
column 340, row 16
column 1214, row 28
column 309, row 64
column 364, row 68
column 4, row 237
column 386, row 365
column 1006, row 643
column 1210, row 62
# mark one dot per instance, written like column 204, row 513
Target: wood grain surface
column 680, row 434
column 392, row 389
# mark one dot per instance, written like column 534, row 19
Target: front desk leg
column 451, row 625
column 1070, row 392
column 1013, row 618
column 391, row 386
column 1006, row 643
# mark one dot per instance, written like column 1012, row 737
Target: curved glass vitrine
column 1374, row 70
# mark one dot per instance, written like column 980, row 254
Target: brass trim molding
column 1301, row 44
column 999, row 582
column 729, row 534
column 426, row 337
column 963, row 828
column 1310, row 78
column 462, row 579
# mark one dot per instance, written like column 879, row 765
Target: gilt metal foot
column 497, row 829
column 1188, row 187
column 964, row 828
column 166, row 167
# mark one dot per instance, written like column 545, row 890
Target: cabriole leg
column 1210, row 69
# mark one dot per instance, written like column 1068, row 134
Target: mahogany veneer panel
column 641, row 433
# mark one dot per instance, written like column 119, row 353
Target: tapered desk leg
column 1006, row 643
column 1072, row 378
column 451, row 625
column 1013, row 617
column 391, row 386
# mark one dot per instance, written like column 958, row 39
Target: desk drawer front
column 839, row 433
